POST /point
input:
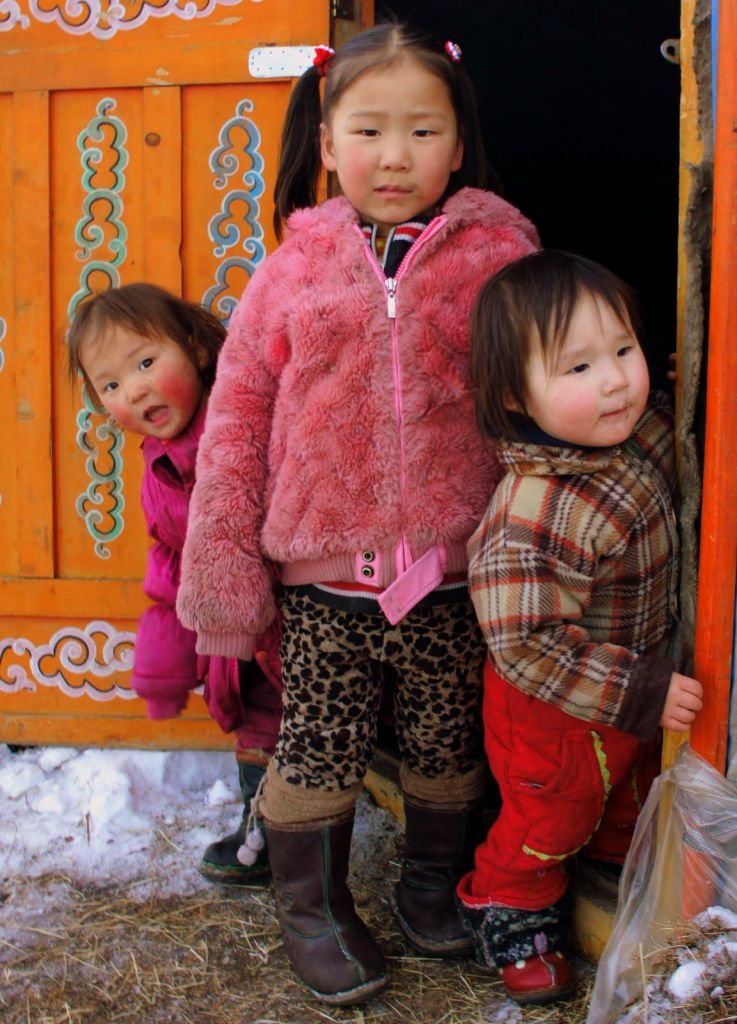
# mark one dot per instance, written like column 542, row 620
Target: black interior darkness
column 580, row 113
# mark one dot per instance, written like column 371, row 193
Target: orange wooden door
column 136, row 144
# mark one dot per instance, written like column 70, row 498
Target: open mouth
column 156, row 414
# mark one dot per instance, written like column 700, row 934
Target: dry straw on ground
column 83, row 955
column 106, row 955
column 218, row 959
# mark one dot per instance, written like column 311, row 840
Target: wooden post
column 718, row 551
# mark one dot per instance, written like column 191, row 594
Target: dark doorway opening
column 580, row 113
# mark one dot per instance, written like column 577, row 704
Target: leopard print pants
column 332, row 670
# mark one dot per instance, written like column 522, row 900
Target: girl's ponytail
column 299, row 152
column 477, row 170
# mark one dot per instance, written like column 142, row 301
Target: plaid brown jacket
column 573, row 574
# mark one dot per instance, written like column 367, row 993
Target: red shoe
column 541, row 979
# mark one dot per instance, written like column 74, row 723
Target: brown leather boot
column 437, row 846
column 330, row 948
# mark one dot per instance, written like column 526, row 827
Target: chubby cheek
column 353, row 169
column 177, row 390
column 127, row 422
column 582, row 409
column 122, row 415
column 435, row 178
column 566, row 404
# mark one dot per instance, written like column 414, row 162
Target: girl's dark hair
column 529, row 300
column 152, row 311
column 381, row 46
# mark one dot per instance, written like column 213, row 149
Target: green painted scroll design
column 104, row 159
column 227, row 231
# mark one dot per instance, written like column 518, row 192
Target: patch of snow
column 54, row 757
column 220, row 793
column 113, row 815
column 721, row 946
column 686, row 981
column 509, row 1013
column 19, row 779
column 717, row 917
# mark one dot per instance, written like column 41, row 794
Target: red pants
column 565, row 784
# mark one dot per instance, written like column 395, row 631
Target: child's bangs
column 552, row 317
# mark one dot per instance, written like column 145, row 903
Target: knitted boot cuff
column 457, row 793
column 282, row 803
column 503, row 935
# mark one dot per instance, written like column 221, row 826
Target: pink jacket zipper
column 391, row 286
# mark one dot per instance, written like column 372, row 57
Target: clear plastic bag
column 683, row 860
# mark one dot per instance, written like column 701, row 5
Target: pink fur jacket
column 341, row 427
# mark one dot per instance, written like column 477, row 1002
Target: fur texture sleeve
column 225, row 593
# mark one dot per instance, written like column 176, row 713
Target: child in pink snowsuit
column 148, row 358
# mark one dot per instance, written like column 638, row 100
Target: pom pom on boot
column 241, row 858
column 252, row 847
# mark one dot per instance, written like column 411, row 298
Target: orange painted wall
column 139, row 148
column 110, row 128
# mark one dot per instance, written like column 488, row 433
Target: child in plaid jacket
column 573, row 575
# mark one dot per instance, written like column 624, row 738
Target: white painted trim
column 97, row 651
column 280, row 61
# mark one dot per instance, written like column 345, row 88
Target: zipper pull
column 391, row 304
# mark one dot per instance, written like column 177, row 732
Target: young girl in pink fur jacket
column 341, row 444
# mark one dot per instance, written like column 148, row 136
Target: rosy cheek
column 176, row 389
column 587, row 411
column 578, row 410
